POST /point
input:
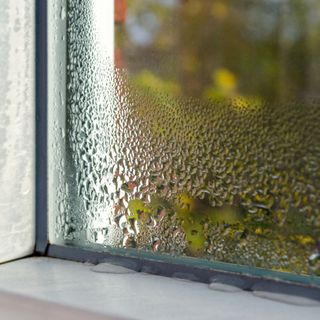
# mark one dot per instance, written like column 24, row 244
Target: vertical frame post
column 41, row 126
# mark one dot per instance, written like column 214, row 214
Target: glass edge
column 100, row 253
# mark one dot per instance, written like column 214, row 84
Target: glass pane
column 17, row 161
column 203, row 140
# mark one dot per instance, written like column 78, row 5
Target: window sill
column 132, row 295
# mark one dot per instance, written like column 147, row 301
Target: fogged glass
column 200, row 137
column 17, row 129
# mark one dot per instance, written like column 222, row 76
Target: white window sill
column 132, row 295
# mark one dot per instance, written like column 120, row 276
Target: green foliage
column 148, row 80
column 137, row 208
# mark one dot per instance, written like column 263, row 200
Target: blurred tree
column 266, row 46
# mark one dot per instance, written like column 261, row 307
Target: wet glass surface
column 204, row 139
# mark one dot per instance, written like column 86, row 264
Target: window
column 188, row 132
